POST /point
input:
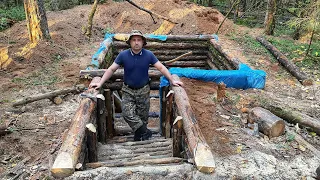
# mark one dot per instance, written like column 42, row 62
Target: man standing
column 136, row 89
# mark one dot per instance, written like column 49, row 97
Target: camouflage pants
column 135, row 106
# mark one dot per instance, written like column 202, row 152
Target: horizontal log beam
column 157, row 45
column 154, row 85
column 291, row 67
column 204, row 37
column 133, row 163
column 122, row 156
column 138, row 157
column 176, row 52
column 187, row 58
column 129, row 138
column 133, row 151
column 151, row 145
column 187, row 64
column 153, row 74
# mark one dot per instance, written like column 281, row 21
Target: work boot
column 147, row 135
column 142, row 133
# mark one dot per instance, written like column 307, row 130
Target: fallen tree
column 291, row 67
column 50, row 95
column 295, row 117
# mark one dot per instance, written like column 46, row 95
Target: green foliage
column 283, row 29
column 11, row 14
column 295, row 50
column 250, row 44
column 290, row 137
column 249, row 21
column 308, row 17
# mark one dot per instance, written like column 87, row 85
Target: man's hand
column 95, row 85
column 177, row 83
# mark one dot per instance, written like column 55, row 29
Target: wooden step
column 123, row 151
column 166, row 160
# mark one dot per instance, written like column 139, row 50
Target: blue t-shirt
column 136, row 66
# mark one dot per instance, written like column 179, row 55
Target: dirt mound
column 191, row 18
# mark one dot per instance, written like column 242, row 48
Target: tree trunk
column 295, row 117
column 269, row 124
column 49, row 95
column 90, row 19
column 36, row 20
column 197, row 144
column 269, row 22
column 291, row 67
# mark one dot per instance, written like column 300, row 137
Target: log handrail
column 70, row 151
column 197, row 144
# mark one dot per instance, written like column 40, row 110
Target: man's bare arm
column 106, row 76
column 166, row 73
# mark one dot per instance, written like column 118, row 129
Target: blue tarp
column 243, row 78
column 159, row 37
column 94, row 60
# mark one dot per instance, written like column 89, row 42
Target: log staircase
column 98, row 136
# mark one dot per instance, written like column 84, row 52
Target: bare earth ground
column 38, row 127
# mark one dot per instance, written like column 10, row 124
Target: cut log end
column 57, row 100
column 277, row 129
column 307, row 82
column 63, row 165
column 269, row 124
column 204, row 159
column 62, row 172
